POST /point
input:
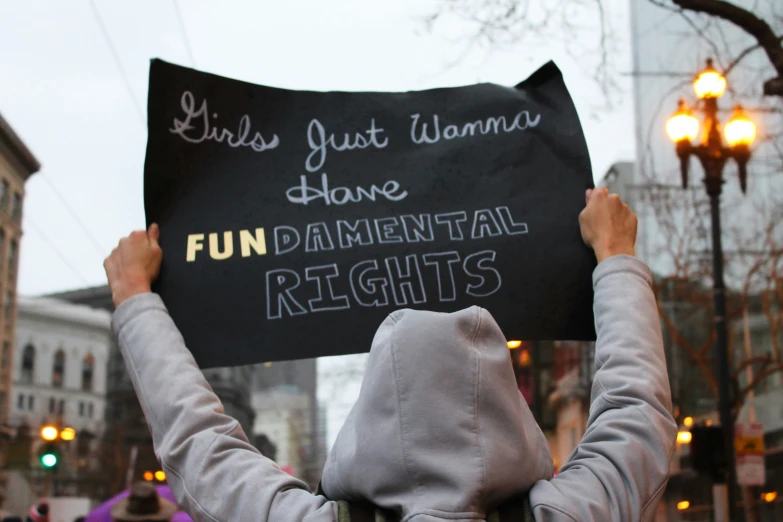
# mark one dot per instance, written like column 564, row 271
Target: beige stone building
column 17, row 164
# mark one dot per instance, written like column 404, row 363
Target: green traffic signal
column 49, row 460
column 49, row 455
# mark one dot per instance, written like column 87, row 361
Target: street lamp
column 740, row 132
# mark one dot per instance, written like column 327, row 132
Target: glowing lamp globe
column 740, row 130
column 49, row 433
column 682, row 126
column 709, row 83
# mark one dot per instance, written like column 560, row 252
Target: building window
column 6, row 354
column 4, row 191
column 16, row 211
column 12, row 248
column 28, row 364
column 52, row 402
column 20, row 402
column 9, row 305
column 30, row 402
column 89, row 410
column 61, row 407
column 58, row 369
column 88, row 363
column 81, row 409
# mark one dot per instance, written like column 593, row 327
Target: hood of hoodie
column 440, row 430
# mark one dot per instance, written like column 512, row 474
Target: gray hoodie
column 439, row 431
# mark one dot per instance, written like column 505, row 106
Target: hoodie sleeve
column 619, row 470
column 216, row 475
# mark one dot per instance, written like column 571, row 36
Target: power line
column 95, row 243
column 117, row 61
column 57, row 251
column 184, row 34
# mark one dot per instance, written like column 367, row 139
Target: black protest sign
column 293, row 222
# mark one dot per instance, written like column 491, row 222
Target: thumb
column 588, row 193
column 154, row 234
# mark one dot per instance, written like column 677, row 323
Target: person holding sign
column 439, row 431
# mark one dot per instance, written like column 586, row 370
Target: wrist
column 602, row 254
column 123, row 290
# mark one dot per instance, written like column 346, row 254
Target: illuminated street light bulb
column 740, row 130
column 68, row 434
column 769, row 496
column 709, row 83
column 148, row 476
column 683, row 505
column 512, row 345
column 160, row 476
column 49, row 433
column 682, row 126
column 687, row 422
column 684, row 437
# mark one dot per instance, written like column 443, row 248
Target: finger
column 588, row 193
column 154, row 234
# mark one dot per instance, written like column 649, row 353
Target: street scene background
column 73, row 92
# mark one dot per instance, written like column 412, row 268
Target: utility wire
column 117, row 61
column 184, row 34
column 95, row 243
column 57, row 251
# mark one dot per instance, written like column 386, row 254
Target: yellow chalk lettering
column 257, row 242
column 194, row 245
column 228, row 246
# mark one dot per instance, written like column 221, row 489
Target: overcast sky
column 64, row 94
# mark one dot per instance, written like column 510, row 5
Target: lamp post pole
column 740, row 132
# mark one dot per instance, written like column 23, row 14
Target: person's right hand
column 607, row 224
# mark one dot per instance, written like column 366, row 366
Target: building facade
column 17, row 164
column 59, row 378
column 61, row 358
column 283, row 417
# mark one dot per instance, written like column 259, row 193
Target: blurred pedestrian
column 39, row 512
column 439, row 431
column 143, row 504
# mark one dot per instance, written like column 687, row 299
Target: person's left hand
column 134, row 264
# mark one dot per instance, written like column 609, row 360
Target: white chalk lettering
column 349, row 234
column 368, row 291
column 286, row 239
column 484, row 223
column 198, row 121
column 318, row 238
column 409, row 280
column 319, row 143
column 304, row 194
column 332, row 302
column 279, row 285
column 492, row 125
column 447, row 289
column 512, row 228
column 388, row 229
column 452, row 220
column 476, row 263
column 418, row 229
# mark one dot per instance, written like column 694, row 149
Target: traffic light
column 49, row 455
column 708, row 454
